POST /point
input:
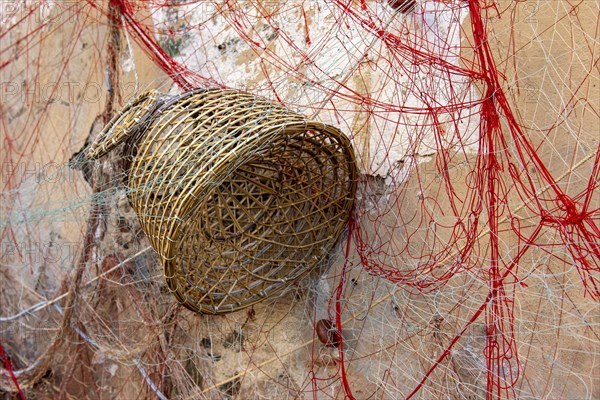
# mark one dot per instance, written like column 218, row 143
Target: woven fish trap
column 239, row 197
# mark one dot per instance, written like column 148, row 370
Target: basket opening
column 271, row 221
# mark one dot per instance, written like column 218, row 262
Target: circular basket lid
column 123, row 124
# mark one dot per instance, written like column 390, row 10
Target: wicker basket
column 240, row 197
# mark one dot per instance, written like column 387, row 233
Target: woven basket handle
column 122, row 125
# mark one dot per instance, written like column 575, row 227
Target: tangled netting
column 470, row 265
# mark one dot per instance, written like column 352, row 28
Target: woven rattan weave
column 240, row 197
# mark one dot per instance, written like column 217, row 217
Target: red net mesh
column 471, row 263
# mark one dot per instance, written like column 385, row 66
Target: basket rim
column 170, row 250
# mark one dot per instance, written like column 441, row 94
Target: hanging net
column 468, row 266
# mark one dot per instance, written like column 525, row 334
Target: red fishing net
column 471, row 263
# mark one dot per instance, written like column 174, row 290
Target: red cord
column 8, row 366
